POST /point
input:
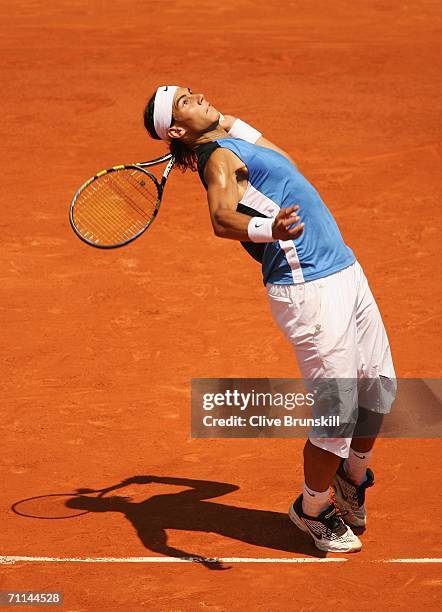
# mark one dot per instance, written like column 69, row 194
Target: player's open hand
column 287, row 217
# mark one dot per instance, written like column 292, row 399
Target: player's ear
column 176, row 131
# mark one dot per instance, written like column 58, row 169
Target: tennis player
column 317, row 291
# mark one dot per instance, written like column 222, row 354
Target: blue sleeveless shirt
column 275, row 183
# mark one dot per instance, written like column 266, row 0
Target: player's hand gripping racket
column 117, row 205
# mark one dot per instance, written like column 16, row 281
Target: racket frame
column 138, row 166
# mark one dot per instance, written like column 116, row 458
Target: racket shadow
column 190, row 511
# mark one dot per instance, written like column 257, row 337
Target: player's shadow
column 189, row 510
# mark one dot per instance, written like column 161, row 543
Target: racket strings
column 97, row 216
column 102, row 217
column 92, row 222
column 139, row 185
column 116, row 206
column 106, row 210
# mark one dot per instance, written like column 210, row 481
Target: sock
column 314, row 502
column 356, row 465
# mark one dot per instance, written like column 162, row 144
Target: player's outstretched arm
column 223, row 198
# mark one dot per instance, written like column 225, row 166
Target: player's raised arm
column 223, row 197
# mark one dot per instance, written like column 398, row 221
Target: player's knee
column 378, row 393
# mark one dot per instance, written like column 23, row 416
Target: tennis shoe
column 328, row 530
column 350, row 498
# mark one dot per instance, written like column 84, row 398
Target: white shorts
column 337, row 333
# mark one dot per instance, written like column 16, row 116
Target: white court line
column 14, row 559
column 7, row 560
column 423, row 560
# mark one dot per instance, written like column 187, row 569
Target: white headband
column 162, row 114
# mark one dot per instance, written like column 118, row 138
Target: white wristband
column 260, row 229
column 241, row 129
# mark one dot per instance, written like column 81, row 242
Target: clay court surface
column 99, row 348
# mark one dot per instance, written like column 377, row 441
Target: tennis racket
column 117, row 205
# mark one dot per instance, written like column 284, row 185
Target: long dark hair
column 185, row 158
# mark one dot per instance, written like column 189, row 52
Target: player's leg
column 318, row 319
column 320, row 466
column 353, row 476
column 376, row 394
column 365, row 435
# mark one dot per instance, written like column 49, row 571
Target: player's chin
column 213, row 115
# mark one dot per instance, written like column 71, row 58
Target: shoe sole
column 318, row 543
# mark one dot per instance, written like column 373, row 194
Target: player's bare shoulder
column 223, row 166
